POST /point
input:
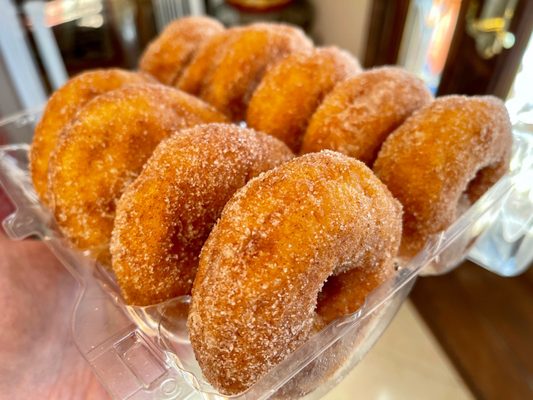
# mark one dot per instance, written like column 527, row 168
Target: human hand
column 38, row 358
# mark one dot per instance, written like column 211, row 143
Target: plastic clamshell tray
column 144, row 352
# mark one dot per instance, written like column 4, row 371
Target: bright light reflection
column 61, row 11
column 520, row 98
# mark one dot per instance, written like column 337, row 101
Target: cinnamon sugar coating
column 165, row 216
column 442, row 159
column 293, row 89
column 359, row 114
column 168, row 55
column 204, row 61
column 227, row 73
column 258, row 287
column 62, row 108
column 104, row 149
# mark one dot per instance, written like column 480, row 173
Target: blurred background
column 470, row 46
column 483, row 322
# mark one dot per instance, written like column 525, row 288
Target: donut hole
column 345, row 293
column 483, row 179
column 468, row 196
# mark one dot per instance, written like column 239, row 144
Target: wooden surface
column 485, row 324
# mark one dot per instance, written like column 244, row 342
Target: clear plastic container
column 144, row 352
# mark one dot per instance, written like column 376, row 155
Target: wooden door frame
column 504, row 66
column 385, row 31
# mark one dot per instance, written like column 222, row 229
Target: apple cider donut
column 204, row 61
column 244, row 58
column 292, row 90
column 357, row 116
column 62, row 108
column 442, row 159
column 168, row 55
column 104, row 149
column 165, row 216
column 258, row 287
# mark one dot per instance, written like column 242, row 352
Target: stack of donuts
column 275, row 229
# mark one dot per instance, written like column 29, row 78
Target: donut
column 165, row 216
column 293, row 89
column 357, row 116
column 204, row 62
column 320, row 217
column 240, row 62
column 168, row 55
column 337, row 298
column 442, row 159
column 62, row 107
column 104, row 149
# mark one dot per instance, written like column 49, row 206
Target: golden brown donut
column 442, row 159
column 204, row 62
column 62, row 107
column 168, row 55
column 292, row 90
column 357, row 116
column 165, row 216
column 104, row 149
column 338, row 297
column 242, row 59
column 261, row 270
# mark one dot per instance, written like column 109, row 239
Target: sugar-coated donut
column 104, row 149
column 357, row 116
column 165, row 216
column 62, row 108
column 444, row 157
column 240, row 62
column 258, row 287
column 292, row 90
column 204, row 61
column 168, row 55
